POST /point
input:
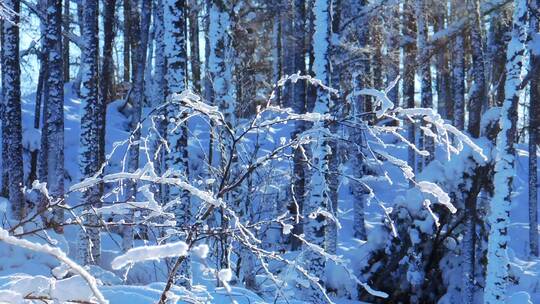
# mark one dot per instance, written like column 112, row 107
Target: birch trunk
column 498, row 264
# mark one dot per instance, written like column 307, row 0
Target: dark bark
column 409, row 32
column 107, row 72
column 458, row 72
column 53, row 127
column 127, row 40
column 5, row 175
column 88, row 156
column 426, row 93
column 534, row 132
column 66, row 19
column 499, row 27
column 194, row 46
column 478, row 96
column 11, row 79
column 299, row 106
column 135, row 40
column 33, row 174
column 445, row 102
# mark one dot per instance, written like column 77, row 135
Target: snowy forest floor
column 22, row 270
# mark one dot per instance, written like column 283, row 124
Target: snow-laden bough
column 145, row 253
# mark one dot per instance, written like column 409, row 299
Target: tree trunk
column 127, row 40
column 534, row 130
column 78, row 79
column 277, row 52
column 498, row 264
column 426, row 94
column 331, row 230
column 478, row 97
column 107, row 72
column 376, row 42
column 299, row 106
column 445, row 103
column 90, row 240
column 176, row 79
column 54, row 116
column 137, row 102
column 159, row 95
column 477, row 100
column 361, row 77
column 409, row 51
column 65, row 40
column 318, row 198
column 34, row 155
column 5, row 174
column 458, row 73
column 220, row 72
column 12, row 132
column 499, row 27
column 38, row 160
column 393, row 57
column 135, row 32
column 194, row 44
column 286, row 42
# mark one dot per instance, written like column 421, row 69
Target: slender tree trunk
column 159, row 94
column 220, row 71
column 65, row 40
column 149, row 70
column 141, row 48
column 318, row 188
column 361, row 77
column 393, row 57
column 477, row 99
column 376, row 42
column 5, row 174
column 107, row 72
column 358, row 190
column 499, row 27
column 498, row 264
column 534, row 130
column 207, row 82
column 284, row 37
column 277, row 52
column 90, row 240
column 194, row 45
column 409, row 51
column 160, row 62
column 54, row 116
column 12, row 132
column 426, row 94
column 135, row 31
column 34, row 155
column 176, row 79
column 331, row 230
column 458, row 72
column 478, row 96
column 78, row 79
column 445, row 102
column 41, row 94
column 311, row 91
column 127, row 40
column 44, row 140
column 299, row 106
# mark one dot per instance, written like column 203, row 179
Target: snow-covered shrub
column 424, row 263
column 237, row 198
